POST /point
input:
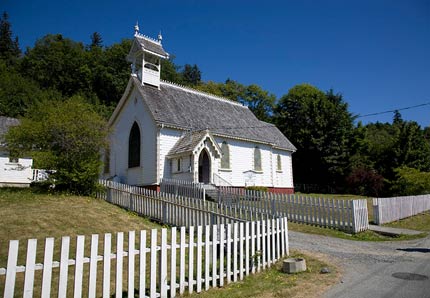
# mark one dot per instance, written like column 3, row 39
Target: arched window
column 225, row 158
column 279, row 163
column 134, row 146
column 257, row 159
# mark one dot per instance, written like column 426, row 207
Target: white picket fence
column 347, row 215
column 175, row 210
column 239, row 205
column 156, row 266
column 182, row 188
column 386, row 210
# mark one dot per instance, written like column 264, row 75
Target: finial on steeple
column 160, row 37
column 136, row 28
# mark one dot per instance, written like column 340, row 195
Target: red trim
column 152, row 187
column 284, row 190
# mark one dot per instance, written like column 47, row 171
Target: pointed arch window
column 279, row 163
column 134, row 146
column 257, row 159
column 225, row 158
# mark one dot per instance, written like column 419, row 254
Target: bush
column 66, row 137
column 365, row 181
column 410, row 181
column 257, row 188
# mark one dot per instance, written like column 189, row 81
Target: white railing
column 155, row 264
column 219, row 181
column 386, row 210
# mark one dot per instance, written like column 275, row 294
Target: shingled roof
column 189, row 141
column 188, row 109
column 5, row 124
column 148, row 44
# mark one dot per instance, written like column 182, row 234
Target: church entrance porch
column 204, row 167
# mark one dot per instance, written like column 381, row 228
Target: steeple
column 145, row 55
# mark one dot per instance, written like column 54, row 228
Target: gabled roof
column 5, row 124
column 184, row 108
column 190, row 141
column 150, row 45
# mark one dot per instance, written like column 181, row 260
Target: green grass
column 363, row 236
column 25, row 215
column 274, row 283
column 420, row 222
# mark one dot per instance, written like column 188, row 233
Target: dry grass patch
column 273, row 283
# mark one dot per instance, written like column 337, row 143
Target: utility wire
column 393, row 111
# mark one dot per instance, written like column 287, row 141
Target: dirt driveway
column 395, row 269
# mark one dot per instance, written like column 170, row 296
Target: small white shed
column 16, row 172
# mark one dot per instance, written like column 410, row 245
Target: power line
column 393, row 111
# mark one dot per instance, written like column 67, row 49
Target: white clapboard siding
column 241, row 242
column 390, row 209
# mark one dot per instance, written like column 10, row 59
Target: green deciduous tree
column 63, row 136
column 60, row 63
column 410, row 181
column 18, row 94
column 321, row 127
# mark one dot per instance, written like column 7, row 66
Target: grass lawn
column 274, row 283
column 362, row 236
column 420, row 222
column 25, row 215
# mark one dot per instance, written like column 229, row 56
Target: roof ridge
column 137, row 34
column 199, row 92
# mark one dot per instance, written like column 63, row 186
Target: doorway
column 204, row 167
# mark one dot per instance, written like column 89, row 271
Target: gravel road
column 369, row 266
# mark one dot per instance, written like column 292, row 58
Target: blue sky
column 376, row 53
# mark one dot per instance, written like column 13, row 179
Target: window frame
column 225, row 158
column 258, row 165
column 134, row 146
column 278, row 163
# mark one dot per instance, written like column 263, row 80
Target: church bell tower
column 145, row 57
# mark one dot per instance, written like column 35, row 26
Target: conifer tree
column 9, row 46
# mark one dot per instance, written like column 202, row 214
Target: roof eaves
column 202, row 93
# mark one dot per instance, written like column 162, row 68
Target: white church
column 163, row 130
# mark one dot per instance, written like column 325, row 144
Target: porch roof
column 190, row 141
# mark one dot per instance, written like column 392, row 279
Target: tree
column 60, row 63
column 111, row 73
column 66, row 137
column 191, row 74
column 410, row 181
column 9, row 47
column 96, row 40
column 259, row 101
column 18, row 94
column 170, row 71
column 321, row 127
